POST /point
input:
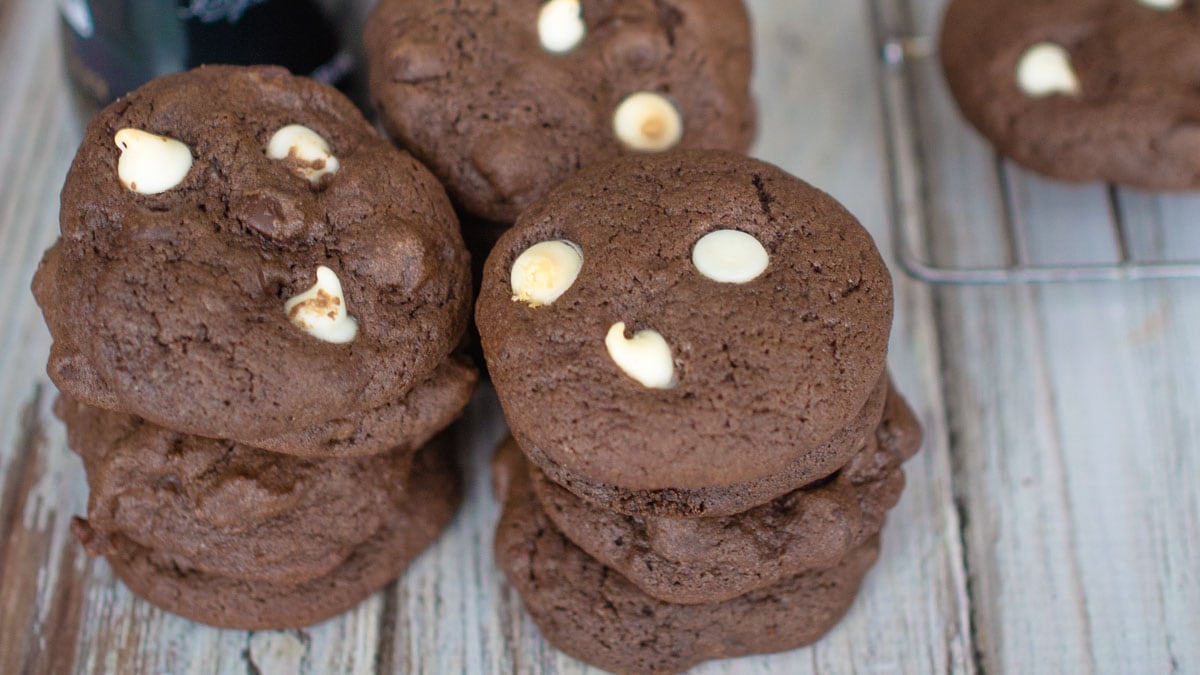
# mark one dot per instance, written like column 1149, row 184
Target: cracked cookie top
column 503, row 99
column 242, row 255
column 685, row 320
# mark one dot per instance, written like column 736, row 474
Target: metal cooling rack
column 902, row 51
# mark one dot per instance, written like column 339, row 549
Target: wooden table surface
column 1051, row 524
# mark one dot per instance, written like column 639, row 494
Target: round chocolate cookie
column 503, row 100
column 404, row 424
column 1082, row 90
column 596, row 615
column 243, row 257
column 226, row 509
column 704, row 560
column 411, row 521
column 687, row 334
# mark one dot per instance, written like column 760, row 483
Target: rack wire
column 902, row 51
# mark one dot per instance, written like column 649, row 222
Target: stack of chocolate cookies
column 691, row 352
column 255, row 305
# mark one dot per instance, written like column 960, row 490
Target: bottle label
column 211, row 11
column 78, row 16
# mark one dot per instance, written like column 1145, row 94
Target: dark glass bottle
column 115, row 46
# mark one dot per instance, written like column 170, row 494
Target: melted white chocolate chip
column 730, row 257
column 1045, row 69
column 560, row 26
column 545, row 271
column 645, row 357
column 648, row 122
column 151, row 164
column 321, row 310
column 1162, row 5
column 310, row 153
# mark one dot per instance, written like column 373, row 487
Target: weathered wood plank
column 1062, row 224
column 996, row 404
column 1006, row 454
column 1161, row 228
column 1153, row 504
column 39, row 604
column 825, row 126
column 1065, row 404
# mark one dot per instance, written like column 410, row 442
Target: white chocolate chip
column 321, row 310
column 310, row 153
column 646, row 357
column 545, row 271
column 1045, row 69
column 730, row 257
column 560, row 26
column 648, row 122
column 1162, row 5
column 151, row 164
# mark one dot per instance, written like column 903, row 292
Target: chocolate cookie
column 241, row 255
column 503, row 100
column 226, row 509
column 407, row 423
column 481, row 237
column 596, row 615
column 1082, row 90
column 704, row 560
column 655, row 316
column 413, row 519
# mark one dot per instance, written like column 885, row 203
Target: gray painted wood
column 1051, row 523
column 1075, row 437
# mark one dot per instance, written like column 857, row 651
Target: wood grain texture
column 1071, row 407
column 1051, row 523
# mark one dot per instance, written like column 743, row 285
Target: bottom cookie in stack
column 651, row 593
column 596, row 615
column 237, row 537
